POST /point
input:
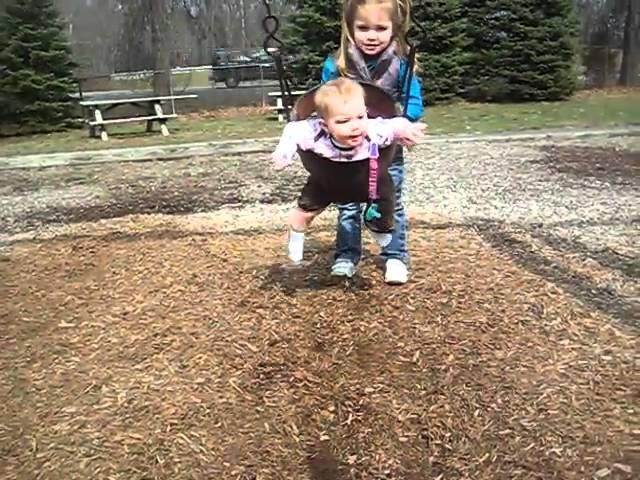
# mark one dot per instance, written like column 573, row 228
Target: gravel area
column 530, row 183
column 575, row 197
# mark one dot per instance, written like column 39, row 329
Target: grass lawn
column 608, row 108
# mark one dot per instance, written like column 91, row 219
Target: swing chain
column 271, row 25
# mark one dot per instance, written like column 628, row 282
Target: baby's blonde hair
column 334, row 91
column 399, row 13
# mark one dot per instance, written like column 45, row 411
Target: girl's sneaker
column 396, row 272
column 343, row 268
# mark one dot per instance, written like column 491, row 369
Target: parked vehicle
column 235, row 66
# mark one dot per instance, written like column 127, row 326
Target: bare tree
column 631, row 45
column 146, row 39
column 610, row 39
column 134, row 48
column 118, row 35
column 242, row 10
column 159, row 12
column 206, row 26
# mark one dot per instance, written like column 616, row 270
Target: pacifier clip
column 372, row 213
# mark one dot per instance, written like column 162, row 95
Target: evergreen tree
column 521, row 50
column 312, row 32
column 442, row 49
column 38, row 71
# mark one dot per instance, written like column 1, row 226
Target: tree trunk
column 159, row 12
column 243, row 23
column 631, row 47
column 207, row 23
column 133, row 52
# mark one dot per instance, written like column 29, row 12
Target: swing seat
column 338, row 178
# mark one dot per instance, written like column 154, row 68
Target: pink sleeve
column 384, row 131
column 296, row 134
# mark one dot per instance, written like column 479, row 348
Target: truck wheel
column 232, row 81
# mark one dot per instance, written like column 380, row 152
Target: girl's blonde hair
column 399, row 12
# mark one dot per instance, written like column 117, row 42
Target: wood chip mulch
column 173, row 355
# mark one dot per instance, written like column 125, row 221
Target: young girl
column 341, row 138
column 373, row 49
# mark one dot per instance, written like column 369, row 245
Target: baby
column 345, row 144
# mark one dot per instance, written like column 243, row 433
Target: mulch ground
column 172, row 355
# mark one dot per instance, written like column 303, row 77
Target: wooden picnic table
column 93, row 111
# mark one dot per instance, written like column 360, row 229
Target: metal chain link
column 271, row 25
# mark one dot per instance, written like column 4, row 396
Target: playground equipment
column 379, row 104
column 274, row 47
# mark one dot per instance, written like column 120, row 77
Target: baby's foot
column 296, row 246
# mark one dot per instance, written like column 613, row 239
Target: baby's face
column 347, row 121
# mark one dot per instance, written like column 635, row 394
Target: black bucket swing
column 338, row 178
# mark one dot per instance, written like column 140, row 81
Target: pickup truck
column 234, row 67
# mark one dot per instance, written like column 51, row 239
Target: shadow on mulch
column 309, row 276
column 606, row 164
column 165, row 200
column 312, row 274
column 580, row 286
column 608, row 257
column 186, row 357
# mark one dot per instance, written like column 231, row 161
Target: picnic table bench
column 93, row 112
column 279, row 106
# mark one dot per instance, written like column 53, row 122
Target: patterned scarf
column 385, row 74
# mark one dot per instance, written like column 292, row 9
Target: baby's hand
column 280, row 160
column 411, row 134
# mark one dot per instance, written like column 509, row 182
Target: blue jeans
column 349, row 235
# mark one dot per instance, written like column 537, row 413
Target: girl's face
column 372, row 29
